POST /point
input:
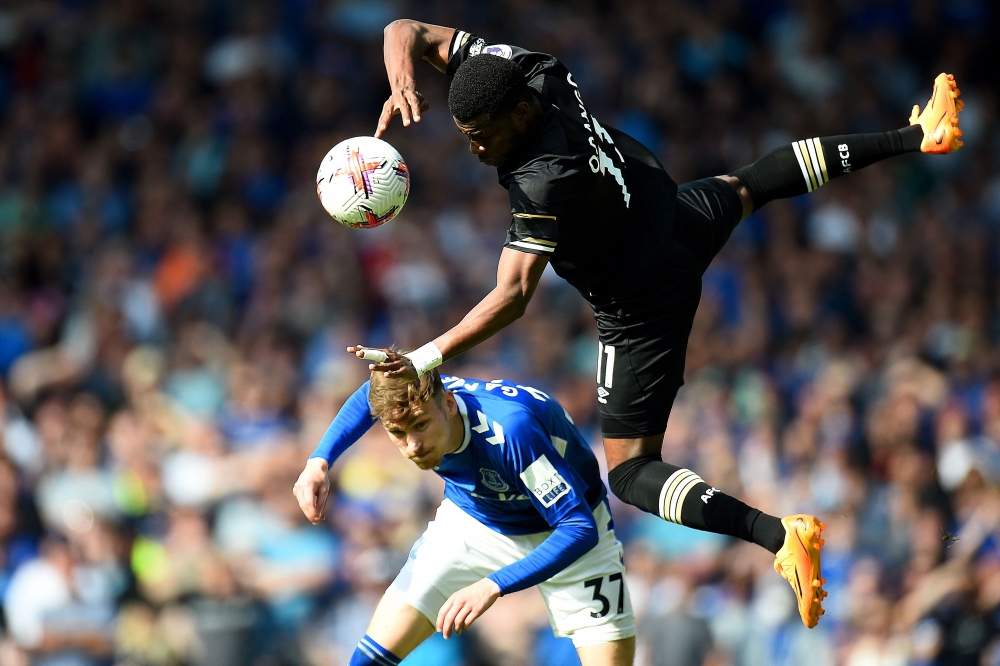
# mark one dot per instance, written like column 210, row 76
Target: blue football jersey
column 522, row 465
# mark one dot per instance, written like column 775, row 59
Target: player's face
column 429, row 433
column 493, row 142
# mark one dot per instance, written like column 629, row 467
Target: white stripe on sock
column 815, row 162
column 802, row 165
column 822, row 159
column 677, row 499
column 676, row 476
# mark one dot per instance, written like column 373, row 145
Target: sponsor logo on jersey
column 602, row 395
column 501, row 50
column 545, row 482
column 491, row 479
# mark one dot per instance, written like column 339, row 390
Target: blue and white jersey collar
column 463, row 410
column 465, row 424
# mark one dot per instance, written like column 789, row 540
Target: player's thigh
column 589, row 601
column 397, row 626
column 640, row 364
column 454, row 552
column 707, row 212
column 614, row 653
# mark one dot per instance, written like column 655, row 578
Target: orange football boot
column 939, row 118
column 798, row 563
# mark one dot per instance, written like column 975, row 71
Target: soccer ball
column 363, row 182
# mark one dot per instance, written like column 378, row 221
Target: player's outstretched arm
column 405, row 42
column 312, row 489
column 517, row 276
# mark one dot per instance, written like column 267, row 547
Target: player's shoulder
column 554, row 173
column 500, row 398
column 540, row 69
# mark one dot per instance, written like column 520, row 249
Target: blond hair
column 393, row 400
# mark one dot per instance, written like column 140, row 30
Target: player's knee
column 623, row 479
column 742, row 191
column 747, row 185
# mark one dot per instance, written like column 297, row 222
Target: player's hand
column 313, row 489
column 463, row 607
column 390, row 363
column 407, row 102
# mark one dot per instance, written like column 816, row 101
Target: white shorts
column 587, row 601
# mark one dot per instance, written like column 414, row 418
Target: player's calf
column 681, row 496
column 805, row 165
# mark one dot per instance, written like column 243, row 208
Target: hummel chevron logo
column 497, row 437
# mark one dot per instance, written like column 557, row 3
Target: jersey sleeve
column 352, row 421
column 465, row 45
column 557, row 492
column 534, row 227
column 573, row 536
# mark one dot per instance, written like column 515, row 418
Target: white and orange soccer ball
column 363, row 182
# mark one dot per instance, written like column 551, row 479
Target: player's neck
column 527, row 137
column 533, row 123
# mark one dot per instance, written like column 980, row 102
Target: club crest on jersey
column 501, row 50
column 491, row 479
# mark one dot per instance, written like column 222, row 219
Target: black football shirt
column 591, row 198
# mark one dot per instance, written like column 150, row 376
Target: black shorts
column 641, row 349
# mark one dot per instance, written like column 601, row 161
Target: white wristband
column 425, row 358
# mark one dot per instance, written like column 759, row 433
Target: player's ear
column 519, row 116
column 449, row 403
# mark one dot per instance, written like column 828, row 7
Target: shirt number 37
column 596, row 583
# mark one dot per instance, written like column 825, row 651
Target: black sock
column 803, row 166
column 680, row 496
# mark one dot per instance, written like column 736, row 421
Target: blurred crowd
column 174, row 308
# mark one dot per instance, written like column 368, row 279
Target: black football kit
column 615, row 226
column 635, row 245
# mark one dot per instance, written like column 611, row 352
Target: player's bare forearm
column 405, row 43
column 517, row 276
column 491, row 315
